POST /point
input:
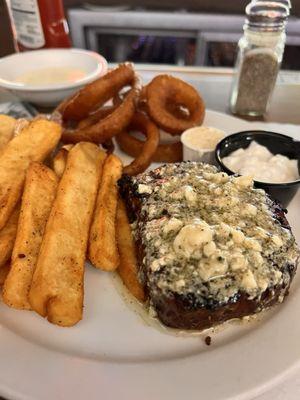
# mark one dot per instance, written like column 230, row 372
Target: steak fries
column 128, row 267
column 57, row 286
column 43, row 247
column 60, row 160
column 7, row 126
column 7, row 237
column 4, row 272
column 34, row 144
column 103, row 251
column 39, row 193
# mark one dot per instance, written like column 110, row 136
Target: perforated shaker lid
column 286, row 3
column 266, row 15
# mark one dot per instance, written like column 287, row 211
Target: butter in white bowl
column 199, row 143
column 51, row 75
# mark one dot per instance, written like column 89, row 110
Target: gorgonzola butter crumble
column 210, row 234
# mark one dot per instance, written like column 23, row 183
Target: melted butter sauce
column 145, row 315
column 51, row 75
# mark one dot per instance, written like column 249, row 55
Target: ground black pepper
column 256, row 81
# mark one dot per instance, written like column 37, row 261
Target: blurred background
column 175, row 32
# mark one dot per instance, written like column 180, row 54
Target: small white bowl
column 12, row 67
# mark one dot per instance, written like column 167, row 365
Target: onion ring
column 93, row 117
column 144, row 157
column 164, row 89
column 119, row 97
column 108, row 145
column 97, row 92
column 109, row 126
column 176, row 109
column 169, row 152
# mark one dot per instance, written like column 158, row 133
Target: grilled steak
column 210, row 246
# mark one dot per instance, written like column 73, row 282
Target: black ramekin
column 277, row 144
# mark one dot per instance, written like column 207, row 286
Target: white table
column 214, row 85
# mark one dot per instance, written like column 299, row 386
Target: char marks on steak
column 210, row 247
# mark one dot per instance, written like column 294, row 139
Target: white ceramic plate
column 113, row 354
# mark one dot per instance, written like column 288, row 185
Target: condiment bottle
column 38, row 24
column 259, row 57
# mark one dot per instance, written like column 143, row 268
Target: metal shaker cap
column 266, row 15
column 286, row 3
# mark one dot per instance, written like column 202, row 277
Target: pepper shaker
column 260, row 52
column 287, row 3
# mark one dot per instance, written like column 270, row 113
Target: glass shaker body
column 257, row 66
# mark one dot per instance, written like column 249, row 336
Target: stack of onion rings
column 166, row 103
column 174, row 106
column 95, row 95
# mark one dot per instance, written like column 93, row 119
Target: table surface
column 214, row 85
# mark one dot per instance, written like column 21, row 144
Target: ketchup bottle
column 38, row 24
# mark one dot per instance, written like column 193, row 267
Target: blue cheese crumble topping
column 211, row 234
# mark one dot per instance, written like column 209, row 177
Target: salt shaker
column 260, row 52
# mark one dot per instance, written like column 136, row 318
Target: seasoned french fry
column 7, row 125
column 21, row 123
column 60, row 160
column 8, row 236
column 39, row 193
column 128, row 262
column 57, row 286
column 34, row 144
column 103, row 252
column 4, row 272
